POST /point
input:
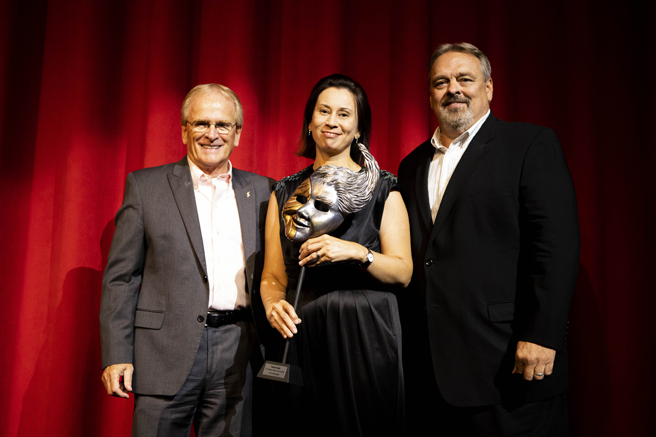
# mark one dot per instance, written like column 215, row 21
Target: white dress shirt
column 445, row 160
column 222, row 242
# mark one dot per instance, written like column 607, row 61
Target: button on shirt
column 222, row 243
column 445, row 160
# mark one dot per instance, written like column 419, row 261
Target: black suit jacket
column 498, row 265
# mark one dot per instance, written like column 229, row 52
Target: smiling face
column 210, row 150
column 459, row 93
column 334, row 121
column 311, row 211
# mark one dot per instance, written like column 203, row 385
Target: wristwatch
column 369, row 260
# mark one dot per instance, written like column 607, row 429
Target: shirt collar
column 469, row 133
column 197, row 173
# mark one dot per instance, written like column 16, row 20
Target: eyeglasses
column 202, row 126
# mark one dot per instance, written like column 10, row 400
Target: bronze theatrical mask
column 320, row 204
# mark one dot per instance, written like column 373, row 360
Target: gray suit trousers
column 216, row 396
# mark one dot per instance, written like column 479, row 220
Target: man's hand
column 533, row 361
column 117, row 379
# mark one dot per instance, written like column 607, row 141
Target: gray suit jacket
column 155, row 288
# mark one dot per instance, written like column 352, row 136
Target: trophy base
column 281, row 372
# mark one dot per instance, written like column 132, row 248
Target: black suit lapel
column 470, row 159
column 183, row 192
column 421, row 182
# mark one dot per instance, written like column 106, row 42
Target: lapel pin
column 248, row 194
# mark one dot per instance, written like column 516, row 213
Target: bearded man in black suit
column 495, row 243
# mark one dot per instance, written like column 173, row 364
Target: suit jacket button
column 429, row 263
column 205, row 278
column 201, row 319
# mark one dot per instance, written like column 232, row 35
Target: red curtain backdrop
column 91, row 90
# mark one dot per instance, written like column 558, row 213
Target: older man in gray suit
column 180, row 288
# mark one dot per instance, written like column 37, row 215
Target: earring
column 309, row 132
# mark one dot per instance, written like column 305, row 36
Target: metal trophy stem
column 298, row 293
column 284, row 372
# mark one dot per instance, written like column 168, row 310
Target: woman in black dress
column 349, row 342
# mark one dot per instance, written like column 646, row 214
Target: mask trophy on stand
column 319, row 206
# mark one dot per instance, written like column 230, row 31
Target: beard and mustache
column 457, row 119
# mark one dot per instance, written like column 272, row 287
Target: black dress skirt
column 348, row 345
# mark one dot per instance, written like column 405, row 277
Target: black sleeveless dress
column 349, row 342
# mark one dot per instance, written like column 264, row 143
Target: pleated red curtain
column 90, row 91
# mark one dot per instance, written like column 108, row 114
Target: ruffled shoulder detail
column 295, row 177
column 384, row 174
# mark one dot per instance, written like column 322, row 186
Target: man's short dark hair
column 463, row 47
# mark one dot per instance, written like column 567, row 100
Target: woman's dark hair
column 306, row 144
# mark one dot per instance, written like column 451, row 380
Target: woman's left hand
column 325, row 248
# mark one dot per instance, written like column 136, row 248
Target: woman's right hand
column 281, row 316
column 279, row 312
